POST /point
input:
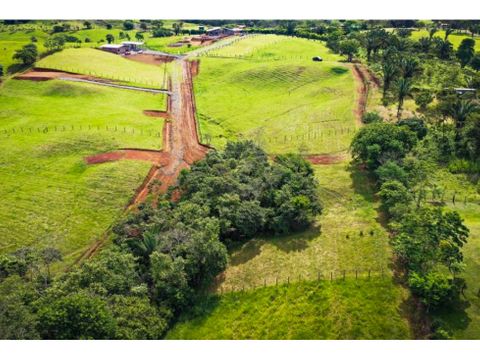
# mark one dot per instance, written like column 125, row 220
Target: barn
column 114, row 48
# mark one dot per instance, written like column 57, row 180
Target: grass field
column 351, row 309
column 454, row 38
column 276, row 96
column 11, row 41
column 306, row 308
column 347, row 236
column 48, row 195
column 464, row 322
column 105, row 65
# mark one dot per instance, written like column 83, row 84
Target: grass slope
column 287, row 103
column 14, row 40
column 48, row 194
column 362, row 309
column 105, row 65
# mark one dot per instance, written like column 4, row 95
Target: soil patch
column 325, row 159
column 151, row 59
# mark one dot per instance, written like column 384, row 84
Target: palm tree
column 448, row 31
column 460, row 111
column 145, row 247
column 404, row 90
column 409, row 67
column 389, row 72
column 432, row 32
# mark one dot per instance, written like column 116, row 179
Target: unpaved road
column 181, row 145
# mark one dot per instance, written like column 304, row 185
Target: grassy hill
column 105, row 65
column 48, row 195
column 276, row 95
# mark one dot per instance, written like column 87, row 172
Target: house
column 114, row 48
column 238, row 30
column 133, row 45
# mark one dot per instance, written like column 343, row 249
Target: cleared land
column 347, row 237
column 268, row 89
column 49, row 196
column 351, row 309
column 105, row 65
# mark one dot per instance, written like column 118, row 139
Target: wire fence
column 158, row 85
column 52, row 129
column 330, row 275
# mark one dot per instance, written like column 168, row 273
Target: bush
column 128, row 25
column 434, row 288
column 371, row 117
column 463, row 166
column 416, row 125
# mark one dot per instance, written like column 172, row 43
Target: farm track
column 181, row 144
column 365, row 82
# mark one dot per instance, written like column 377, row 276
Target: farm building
column 114, row 48
column 133, row 45
column 219, row 31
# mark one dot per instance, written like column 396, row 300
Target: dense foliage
column 162, row 255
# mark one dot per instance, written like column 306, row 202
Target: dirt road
column 181, row 145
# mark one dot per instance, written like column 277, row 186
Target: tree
column 33, row 39
column 448, row 31
column 177, row 27
column 389, row 70
column 49, row 256
column 371, row 117
column 27, row 54
column 444, row 49
column 128, row 25
column 416, row 125
column 403, row 89
column 143, row 25
column 139, row 36
column 349, row 48
column 137, row 319
column 409, row 67
column 460, row 110
column 110, row 38
column 466, row 51
column 108, row 26
column 434, row 288
column 75, row 316
column 423, row 98
column 378, row 143
column 431, row 32
column 170, row 284
column 55, row 42
column 1, row 70
column 393, row 193
column 475, row 62
column 17, row 318
column 87, row 24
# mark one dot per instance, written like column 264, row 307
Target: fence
column 331, row 275
column 66, row 128
column 447, row 196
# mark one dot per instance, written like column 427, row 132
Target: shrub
column 371, row 117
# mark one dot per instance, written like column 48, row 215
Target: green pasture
column 14, row 40
column 285, row 105
column 49, row 196
column 346, row 237
column 455, row 38
column 105, row 65
column 463, row 321
column 350, row 309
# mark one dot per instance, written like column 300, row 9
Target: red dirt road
column 181, row 145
